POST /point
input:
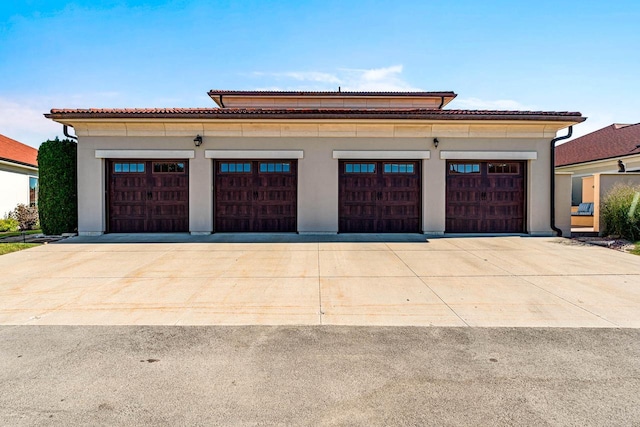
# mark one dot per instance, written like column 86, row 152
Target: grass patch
column 18, row 233
column 636, row 251
column 6, row 248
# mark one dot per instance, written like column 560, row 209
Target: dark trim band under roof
column 4, row 159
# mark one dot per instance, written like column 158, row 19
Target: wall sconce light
column 436, row 142
column 197, row 140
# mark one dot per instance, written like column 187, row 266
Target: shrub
column 621, row 212
column 9, row 224
column 27, row 216
column 57, row 195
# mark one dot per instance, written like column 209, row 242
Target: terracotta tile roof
column 312, row 113
column 269, row 93
column 17, row 152
column 613, row 141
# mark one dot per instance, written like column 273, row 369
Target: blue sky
column 524, row 55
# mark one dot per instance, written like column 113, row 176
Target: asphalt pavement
column 318, row 375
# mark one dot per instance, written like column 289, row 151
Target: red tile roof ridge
column 17, row 152
column 270, row 110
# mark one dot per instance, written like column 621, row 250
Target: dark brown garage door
column 148, row 196
column 379, row 196
column 485, row 197
column 256, row 195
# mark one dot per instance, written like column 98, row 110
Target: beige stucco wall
column 603, row 183
column 317, row 174
column 563, row 202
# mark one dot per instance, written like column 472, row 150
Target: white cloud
column 372, row 79
column 377, row 79
column 24, row 122
column 23, row 119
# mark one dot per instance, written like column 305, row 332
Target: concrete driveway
column 320, row 280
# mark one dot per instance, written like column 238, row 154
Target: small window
column 455, row 168
column 399, row 168
column 360, row 168
column 280, row 167
column 168, row 167
column 128, row 167
column 33, row 191
column 227, row 167
column 504, row 168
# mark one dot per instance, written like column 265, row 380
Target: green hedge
column 58, row 186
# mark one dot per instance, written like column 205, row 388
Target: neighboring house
column 18, row 175
column 597, row 162
column 315, row 162
column 599, row 152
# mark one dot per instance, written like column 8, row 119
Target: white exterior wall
column 14, row 188
column 317, row 174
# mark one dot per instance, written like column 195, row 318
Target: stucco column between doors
column 200, row 194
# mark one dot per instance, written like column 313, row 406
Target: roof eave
column 606, row 159
column 18, row 164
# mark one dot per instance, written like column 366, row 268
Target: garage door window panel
column 225, row 167
column 464, row 168
column 168, row 167
column 503, row 168
column 128, row 167
column 275, row 167
column 399, row 168
column 360, row 168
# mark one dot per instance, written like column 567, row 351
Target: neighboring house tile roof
column 312, row 113
column 17, row 152
column 616, row 140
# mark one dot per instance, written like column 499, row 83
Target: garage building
column 315, row 162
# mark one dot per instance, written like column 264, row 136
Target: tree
column 58, row 186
